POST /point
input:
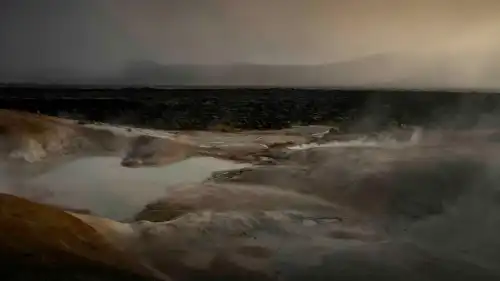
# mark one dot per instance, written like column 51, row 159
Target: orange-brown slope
column 21, row 126
column 27, row 122
column 48, row 241
column 26, row 132
column 32, row 144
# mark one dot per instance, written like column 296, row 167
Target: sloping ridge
column 32, row 143
column 54, row 244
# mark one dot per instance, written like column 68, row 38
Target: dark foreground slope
column 39, row 242
column 257, row 108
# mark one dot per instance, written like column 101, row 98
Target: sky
column 100, row 37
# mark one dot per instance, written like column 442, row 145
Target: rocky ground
column 257, row 109
column 28, row 138
column 404, row 204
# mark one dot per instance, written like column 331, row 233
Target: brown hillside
column 34, row 137
column 43, row 238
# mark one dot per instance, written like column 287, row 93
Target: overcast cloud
column 99, row 37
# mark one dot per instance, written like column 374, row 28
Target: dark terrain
column 257, row 108
column 388, row 207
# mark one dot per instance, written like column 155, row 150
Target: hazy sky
column 100, row 36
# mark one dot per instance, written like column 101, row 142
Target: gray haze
column 422, row 43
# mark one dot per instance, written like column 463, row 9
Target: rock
column 289, row 246
column 394, row 135
column 278, row 175
column 244, row 245
column 413, row 182
column 185, row 198
column 149, row 151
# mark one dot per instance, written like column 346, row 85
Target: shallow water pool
column 101, row 185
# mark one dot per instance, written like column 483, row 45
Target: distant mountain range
column 359, row 72
column 374, row 71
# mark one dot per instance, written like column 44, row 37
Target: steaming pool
column 102, row 186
